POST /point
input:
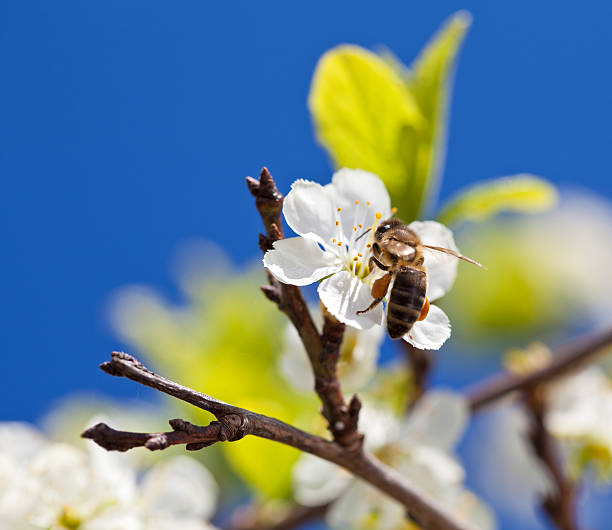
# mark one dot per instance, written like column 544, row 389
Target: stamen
column 337, row 223
column 355, row 258
column 355, row 228
column 334, row 240
column 338, row 209
column 360, row 225
column 368, row 203
column 369, row 245
column 393, row 210
column 378, row 215
column 360, row 254
column 339, row 243
column 357, row 203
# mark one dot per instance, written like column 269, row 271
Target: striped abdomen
column 406, row 301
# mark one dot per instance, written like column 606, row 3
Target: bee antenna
column 456, row 254
column 364, row 233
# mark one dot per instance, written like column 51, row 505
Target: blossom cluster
column 55, row 486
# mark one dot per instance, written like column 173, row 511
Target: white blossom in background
column 420, row 447
column 579, row 414
column 55, row 486
column 329, row 220
column 356, row 365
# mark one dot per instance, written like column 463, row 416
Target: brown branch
column 559, row 504
column 565, row 359
column 236, row 422
column 323, row 350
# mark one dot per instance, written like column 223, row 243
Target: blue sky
column 128, row 127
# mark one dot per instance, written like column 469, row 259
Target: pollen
column 337, row 223
column 378, row 215
column 357, row 203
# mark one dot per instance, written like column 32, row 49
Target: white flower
column 419, row 447
column 579, row 409
column 330, row 220
column 57, row 486
column 356, row 365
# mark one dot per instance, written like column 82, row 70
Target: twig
column 565, row 359
column 323, row 350
column 236, row 422
column 560, row 504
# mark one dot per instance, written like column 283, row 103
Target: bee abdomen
column 406, row 301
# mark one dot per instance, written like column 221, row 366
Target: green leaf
column 371, row 112
column 519, row 193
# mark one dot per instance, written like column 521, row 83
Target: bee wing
column 400, row 248
column 442, row 254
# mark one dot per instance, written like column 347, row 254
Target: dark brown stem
column 565, row 359
column 323, row 349
column 420, row 362
column 235, row 422
column 560, row 503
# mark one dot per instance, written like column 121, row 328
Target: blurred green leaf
column 519, row 193
column 371, row 112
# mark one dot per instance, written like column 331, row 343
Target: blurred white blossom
column 579, row 414
column 57, row 486
column 420, row 447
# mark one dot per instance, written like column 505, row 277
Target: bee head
column 386, row 225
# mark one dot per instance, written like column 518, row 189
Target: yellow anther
column 355, row 228
column 360, row 254
column 368, row 203
column 355, row 258
column 339, row 243
column 338, row 209
column 393, row 210
column 357, row 203
column 334, row 240
column 369, row 245
column 337, row 223
column 360, row 225
column 378, row 215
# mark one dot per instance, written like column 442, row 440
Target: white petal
column 343, row 295
column 318, row 481
column 180, row 488
column 359, row 357
column 299, row 261
column 438, row 420
column 431, row 333
column 441, row 268
column 360, row 195
column 310, row 212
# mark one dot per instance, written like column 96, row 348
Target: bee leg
column 379, row 290
column 374, row 261
column 371, row 306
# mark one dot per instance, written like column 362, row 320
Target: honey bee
column 399, row 252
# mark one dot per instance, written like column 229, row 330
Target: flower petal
column 361, row 195
column 299, row 261
column 343, row 295
column 441, row 268
column 310, row 211
column 431, row 333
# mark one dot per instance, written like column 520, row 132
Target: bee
column 399, row 252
